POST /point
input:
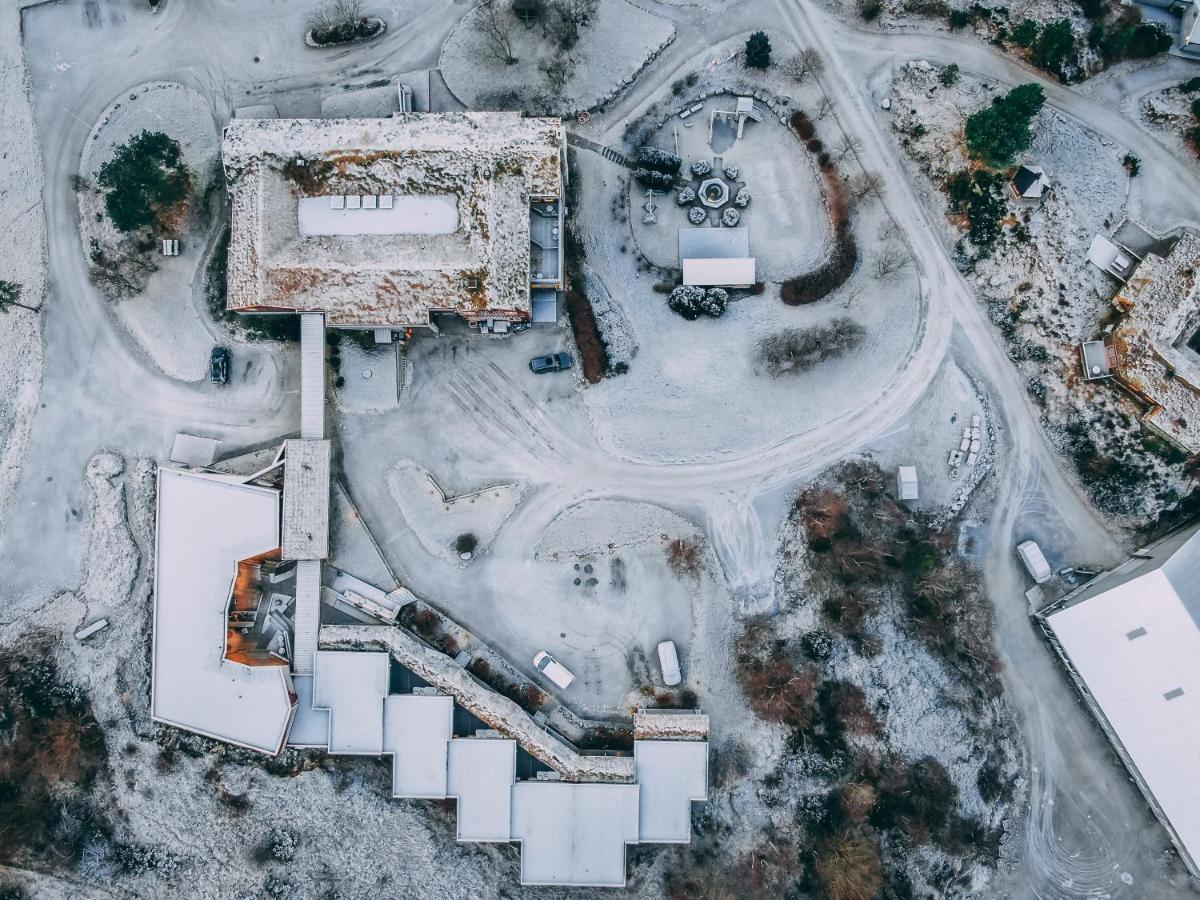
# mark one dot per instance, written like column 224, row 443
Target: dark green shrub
column 145, row 178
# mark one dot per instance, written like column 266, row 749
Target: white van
column 553, row 669
column 668, row 661
column 1035, row 561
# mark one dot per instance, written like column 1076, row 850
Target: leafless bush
column 777, row 689
column 803, row 64
column 683, row 557
column 119, row 272
column 562, row 21
column 868, row 184
column 888, row 262
column 847, row 146
column 795, row 350
column 337, row 21
column 824, row 108
column 494, row 22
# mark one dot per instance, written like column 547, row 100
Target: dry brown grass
column 849, row 866
column 683, row 557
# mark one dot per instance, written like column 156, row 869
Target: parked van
column 668, row 661
column 553, row 669
column 1035, row 561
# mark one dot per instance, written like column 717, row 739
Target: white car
column 553, row 669
column 668, row 661
column 1035, row 561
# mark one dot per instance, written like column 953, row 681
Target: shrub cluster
column 655, row 160
column 997, row 133
column 796, row 350
column 978, row 195
column 692, row 302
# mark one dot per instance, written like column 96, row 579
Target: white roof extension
column 719, row 272
column 416, row 731
column 1134, row 643
column 206, row 524
column 352, row 686
column 574, row 833
column 671, row 775
column 480, row 775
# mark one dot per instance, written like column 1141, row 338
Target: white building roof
column 352, row 686
column 574, row 834
column 907, row 483
column 310, row 728
column 312, row 376
column 718, row 272
column 481, row 773
column 206, row 524
column 1136, row 646
column 416, row 731
column 670, row 774
column 306, row 499
column 703, row 242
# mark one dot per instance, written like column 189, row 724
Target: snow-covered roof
column 310, row 728
column 306, row 499
column 705, row 242
column 416, row 731
column 1029, row 182
column 1162, row 313
column 671, row 774
column 206, row 524
column 358, row 270
column 1116, row 260
column 480, row 774
column 312, row 376
column 191, row 450
column 352, row 686
column 1135, row 645
column 906, row 481
column 574, row 834
column 718, row 272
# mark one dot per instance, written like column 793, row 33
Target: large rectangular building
column 383, row 222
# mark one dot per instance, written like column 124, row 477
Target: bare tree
column 494, row 23
column 866, row 185
column 557, row 70
column 825, row 107
column 807, row 62
column 849, row 145
column 888, row 262
column 336, row 16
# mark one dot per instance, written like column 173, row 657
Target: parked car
column 218, row 366
column 668, row 661
column 553, row 669
column 554, row 362
column 1035, row 561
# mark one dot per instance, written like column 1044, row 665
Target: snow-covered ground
column 163, row 316
column 611, row 51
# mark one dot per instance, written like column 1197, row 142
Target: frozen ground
column 22, row 257
column 610, row 52
column 474, row 415
column 163, row 317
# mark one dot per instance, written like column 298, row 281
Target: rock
column 886, row 103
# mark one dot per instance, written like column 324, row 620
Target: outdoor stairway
column 607, row 152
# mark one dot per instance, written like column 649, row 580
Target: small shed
column 907, row 486
column 1029, row 182
column 1095, row 359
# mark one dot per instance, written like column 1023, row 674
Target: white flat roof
column 1136, row 648
column 671, row 774
column 574, row 834
column 352, row 686
column 310, row 728
column 480, row 774
column 718, row 272
column 408, row 214
column 205, row 525
column 705, row 242
column 416, row 730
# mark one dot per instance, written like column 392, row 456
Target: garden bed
column 367, row 29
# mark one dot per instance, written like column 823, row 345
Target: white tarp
column 409, row 214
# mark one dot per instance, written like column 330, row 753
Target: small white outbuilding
column 907, row 487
